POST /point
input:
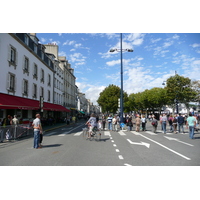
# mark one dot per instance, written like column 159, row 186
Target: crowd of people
column 175, row 123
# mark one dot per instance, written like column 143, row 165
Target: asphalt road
column 67, row 147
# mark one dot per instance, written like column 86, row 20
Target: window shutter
column 16, row 58
column 23, row 86
column 8, row 82
column 15, row 83
column 9, row 52
column 27, row 88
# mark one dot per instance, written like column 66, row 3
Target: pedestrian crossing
column 108, row 133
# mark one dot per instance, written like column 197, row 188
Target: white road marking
column 177, row 140
column 79, row 133
column 112, row 140
column 114, row 145
column 127, row 164
column 166, row 147
column 120, row 157
column 50, row 133
column 136, row 133
column 117, row 150
column 107, row 133
column 151, row 133
column 121, row 133
column 141, row 143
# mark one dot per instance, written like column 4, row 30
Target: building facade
column 27, row 74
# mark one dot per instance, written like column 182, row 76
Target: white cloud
column 43, row 40
column 135, row 38
column 91, row 91
column 155, row 40
column 69, row 42
column 117, row 62
column 195, row 45
column 175, row 37
column 167, row 44
column 77, row 57
column 62, row 53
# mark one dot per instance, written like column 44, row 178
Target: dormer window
column 26, row 39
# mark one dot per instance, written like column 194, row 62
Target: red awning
column 55, row 107
column 14, row 102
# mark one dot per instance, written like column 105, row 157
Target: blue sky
column 156, row 57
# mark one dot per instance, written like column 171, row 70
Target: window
column 26, row 65
column 35, row 71
column 11, row 82
column 49, row 95
column 34, row 91
column 12, row 56
column 42, row 91
column 35, row 48
column 25, row 87
column 49, row 80
column 42, row 55
column 26, row 39
column 42, row 75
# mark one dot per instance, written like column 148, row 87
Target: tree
column 180, row 88
column 108, row 98
column 196, row 87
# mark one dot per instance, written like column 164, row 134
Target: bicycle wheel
column 85, row 133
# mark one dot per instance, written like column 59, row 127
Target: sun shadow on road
column 51, row 145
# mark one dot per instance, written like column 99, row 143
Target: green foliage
column 180, row 88
column 108, row 98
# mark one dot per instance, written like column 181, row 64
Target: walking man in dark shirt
column 180, row 123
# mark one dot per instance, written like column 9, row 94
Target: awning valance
column 55, row 107
column 14, row 102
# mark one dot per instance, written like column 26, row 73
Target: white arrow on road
column 141, row 143
column 169, row 138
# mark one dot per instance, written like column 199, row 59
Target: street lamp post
column 121, row 91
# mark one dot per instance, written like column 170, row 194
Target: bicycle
column 96, row 134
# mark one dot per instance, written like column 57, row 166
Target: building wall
column 6, row 41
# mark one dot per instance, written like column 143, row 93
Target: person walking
column 154, row 123
column 114, row 123
column 15, row 122
column 191, row 122
column 109, row 119
column 180, row 123
column 163, row 121
column 129, row 123
column 137, row 123
column 103, row 122
column 144, row 121
column 37, row 129
column 174, row 122
column 170, row 121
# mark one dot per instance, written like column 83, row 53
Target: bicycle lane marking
column 162, row 146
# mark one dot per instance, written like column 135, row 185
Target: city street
column 66, row 146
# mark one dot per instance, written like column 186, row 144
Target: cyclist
column 92, row 122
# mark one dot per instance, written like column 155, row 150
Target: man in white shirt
column 37, row 129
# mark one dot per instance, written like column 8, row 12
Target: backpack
column 154, row 123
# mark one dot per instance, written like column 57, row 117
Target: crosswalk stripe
column 79, row 133
column 151, row 133
column 48, row 134
column 121, row 133
column 107, row 133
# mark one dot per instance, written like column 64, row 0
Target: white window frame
column 11, row 82
column 25, row 87
column 34, row 90
column 12, row 56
